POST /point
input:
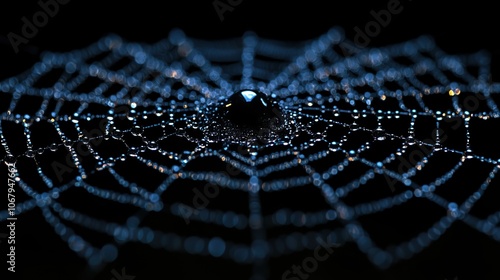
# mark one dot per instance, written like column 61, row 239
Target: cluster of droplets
column 186, row 100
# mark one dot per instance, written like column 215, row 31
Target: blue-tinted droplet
column 216, row 247
column 251, row 108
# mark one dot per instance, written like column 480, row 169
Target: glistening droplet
column 251, row 108
column 379, row 134
column 10, row 159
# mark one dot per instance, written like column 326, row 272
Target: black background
column 457, row 27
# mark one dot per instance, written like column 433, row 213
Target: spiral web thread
column 352, row 116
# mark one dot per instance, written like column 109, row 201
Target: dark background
column 458, row 27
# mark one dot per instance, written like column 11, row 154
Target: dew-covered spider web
column 382, row 147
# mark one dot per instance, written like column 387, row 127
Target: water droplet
column 184, row 157
column 133, row 151
column 355, row 114
column 438, row 147
column 85, row 140
column 67, row 143
column 100, row 166
column 152, row 145
column 354, row 126
column 53, row 147
column 250, row 108
column 333, row 146
column 351, row 155
column 452, row 206
column 110, row 161
column 132, row 114
column 468, row 154
column 410, row 140
column 10, row 159
column 379, row 134
column 117, row 134
column 137, row 130
column 159, row 111
column 30, row 153
column 439, row 116
column 335, row 111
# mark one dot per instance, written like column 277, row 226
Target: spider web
column 378, row 141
